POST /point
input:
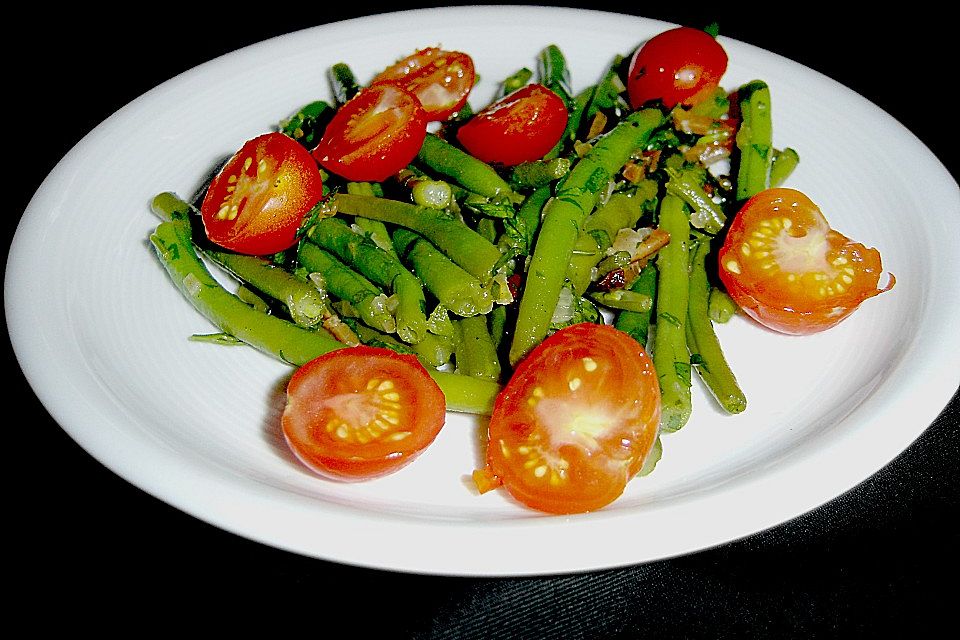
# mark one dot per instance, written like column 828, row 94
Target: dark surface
column 872, row 560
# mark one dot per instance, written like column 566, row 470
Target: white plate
column 197, row 425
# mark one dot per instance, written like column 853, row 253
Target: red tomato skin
column 256, row 203
column 441, row 80
column 374, row 135
column 520, row 127
column 325, row 390
column 626, row 390
column 678, row 66
column 794, row 307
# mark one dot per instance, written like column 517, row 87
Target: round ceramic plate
column 104, row 342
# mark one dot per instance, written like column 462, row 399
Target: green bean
column 348, row 285
column 373, row 229
column 306, row 126
column 514, row 81
column 702, row 340
column 475, row 352
column 172, row 243
column 498, row 324
column 435, row 194
column 554, row 73
column 754, row 139
column 307, row 306
column 623, row 299
column 343, row 83
column 538, row 173
column 607, row 95
column 600, row 228
column 471, row 251
column 670, row 355
column 782, row 165
column 456, row 289
column 520, row 231
column 713, row 106
column 563, row 216
column 471, row 173
column 433, row 351
column 720, row 306
column 380, row 267
column 637, row 323
column 686, row 182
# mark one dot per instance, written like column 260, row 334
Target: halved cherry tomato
column 519, row 127
column 787, row 269
column 374, row 135
column 255, row 205
column 576, row 421
column 678, row 66
column 362, row 412
column 440, row 79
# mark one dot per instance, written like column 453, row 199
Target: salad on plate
column 555, row 260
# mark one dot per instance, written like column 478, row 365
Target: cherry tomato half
column 362, row 412
column 787, row 269
column 576, row 421
column 440, row 79
column 374, row 135
column 519, row 127
column 678, row 66
column 255, row 205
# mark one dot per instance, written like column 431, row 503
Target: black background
column 95, row 547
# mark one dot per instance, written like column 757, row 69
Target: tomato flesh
column 677, row 66
column 362, row 412
column 576, row 421
column 256, row 203
column 441, row 80
column 374, row 135
column 787, row 269
column 520, row 127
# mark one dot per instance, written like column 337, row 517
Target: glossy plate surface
column 104, row 341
